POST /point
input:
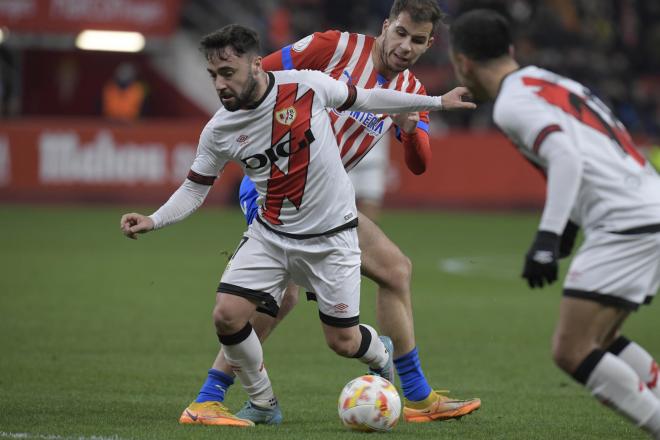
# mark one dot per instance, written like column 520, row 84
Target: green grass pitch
column 107, row 338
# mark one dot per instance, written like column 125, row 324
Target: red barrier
column 469, row 171
column 93, row 161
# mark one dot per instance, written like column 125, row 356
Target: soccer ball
column 369, row 403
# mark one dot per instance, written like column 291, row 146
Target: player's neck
column 263, row 87
column 491, row 76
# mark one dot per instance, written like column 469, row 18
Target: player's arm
column 413, row 134
column 185, row 200
column 532, row 125
column 412, row 129
column 392, row 101
column 417, row 150
column 564, row 172
column 312, row 52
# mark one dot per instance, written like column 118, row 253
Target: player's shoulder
column 304, row 76
column 216, row 120
column 318, row 41
column 514, row 92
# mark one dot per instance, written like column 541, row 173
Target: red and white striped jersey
column 618, row 189
column 286, row 146
column 347, row 57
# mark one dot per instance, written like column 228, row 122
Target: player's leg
column 239, row 293
column 329, row 266
column 578, row 349
column 599, row 294
column 639, row 360
column 363, row 343
column 631, row 352
column 384, row 263
column 231, row 315
column 220, row 377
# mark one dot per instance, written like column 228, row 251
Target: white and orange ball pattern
column 369, row 403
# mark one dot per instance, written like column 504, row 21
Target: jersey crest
column 286, row 116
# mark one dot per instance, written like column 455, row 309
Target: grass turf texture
column 108, row 337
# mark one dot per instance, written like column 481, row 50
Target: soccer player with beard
column 596, row 180
column 368, row 62
column 275, row 125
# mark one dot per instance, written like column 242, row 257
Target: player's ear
column 512, row 51
column 462, row 62
column 386, row 24
column 430, row 42
column 257, row 63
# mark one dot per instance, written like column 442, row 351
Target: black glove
column 568, row 239
column 541, row 260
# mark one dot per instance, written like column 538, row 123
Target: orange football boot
column 211, row 413
column 438, row 407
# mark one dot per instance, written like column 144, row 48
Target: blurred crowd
column 612, row 46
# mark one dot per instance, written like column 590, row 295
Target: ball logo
column 301, row 45
column 286, row 116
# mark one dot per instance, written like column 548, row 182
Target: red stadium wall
column 469, row 171
column 87, row 161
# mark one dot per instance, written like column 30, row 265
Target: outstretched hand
column 458, row 99
column 134, row 223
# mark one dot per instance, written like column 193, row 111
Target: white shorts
column 329, row 266
column 369, row 176
column 616, row 269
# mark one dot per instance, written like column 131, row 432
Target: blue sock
column 215, row 387
column 413, row 382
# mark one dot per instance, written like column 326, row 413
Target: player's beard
column 245, row 98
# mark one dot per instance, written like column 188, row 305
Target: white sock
column 641, row 361
column 375, row 354
column 247, row 362
column 616, row 384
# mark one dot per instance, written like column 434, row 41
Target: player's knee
column 343, row 344
column 226, row 322
column 397, row 275
column 565, row 354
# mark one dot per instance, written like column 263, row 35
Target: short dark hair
column 421, row 11
column 481, row 34
column 240, row 38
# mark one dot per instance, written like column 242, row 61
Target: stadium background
column 96, row 330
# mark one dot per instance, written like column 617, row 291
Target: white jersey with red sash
column 287, row 148
column 618, row 190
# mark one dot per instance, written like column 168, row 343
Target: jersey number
column 291, row 138
column 584, row 110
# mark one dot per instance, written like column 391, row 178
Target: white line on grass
column 27, row 435
column 502, row 267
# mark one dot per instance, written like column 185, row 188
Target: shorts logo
column 242, row 139
column 301, row 45
column 340, row 308
column 286, row 116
